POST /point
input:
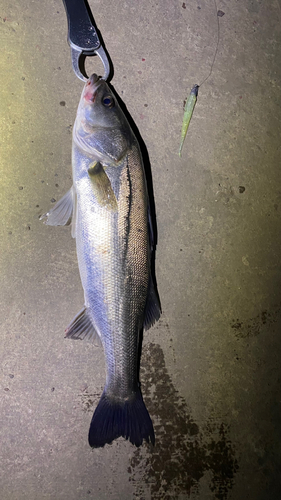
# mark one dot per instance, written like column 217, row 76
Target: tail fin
column 129, row 419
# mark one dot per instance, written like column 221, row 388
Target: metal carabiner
column 83, row 38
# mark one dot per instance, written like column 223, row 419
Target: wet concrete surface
column 210, row 368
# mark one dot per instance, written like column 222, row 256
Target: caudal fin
column 129, row 419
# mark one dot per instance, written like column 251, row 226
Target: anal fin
column 81, row 328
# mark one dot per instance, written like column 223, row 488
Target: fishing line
column 217, row 46
column 192, row 98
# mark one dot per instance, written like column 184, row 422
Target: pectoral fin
column 102, row 187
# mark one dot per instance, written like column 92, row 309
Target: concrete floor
column 211, row 367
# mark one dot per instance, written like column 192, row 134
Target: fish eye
column 108, row 101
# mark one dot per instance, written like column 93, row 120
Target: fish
column 108, row 209
column 188, row 110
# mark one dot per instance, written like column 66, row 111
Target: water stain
column 254, row 326
column 183, row 453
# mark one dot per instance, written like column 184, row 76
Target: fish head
column 101, row 129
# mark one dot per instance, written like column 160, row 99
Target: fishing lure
column 188, row 110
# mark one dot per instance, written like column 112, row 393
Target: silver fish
column 109, row 211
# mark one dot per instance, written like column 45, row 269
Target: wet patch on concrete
column 254, row 326
column 183, row 452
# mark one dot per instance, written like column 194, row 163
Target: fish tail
column 129, row 419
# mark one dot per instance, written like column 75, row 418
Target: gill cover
column 101, row 129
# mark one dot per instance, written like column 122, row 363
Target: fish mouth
column 91, row 88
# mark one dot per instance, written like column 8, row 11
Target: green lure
column 188, row 110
